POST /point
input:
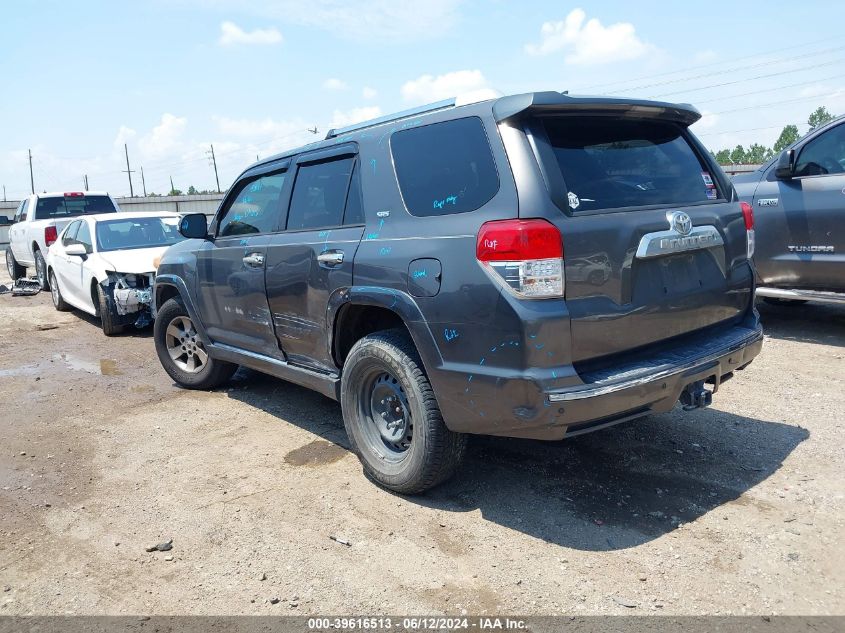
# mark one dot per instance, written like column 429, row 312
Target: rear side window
column 256, row 208
column 319, row 194
column 72, row 206
column 610, row 163
column 445, row 168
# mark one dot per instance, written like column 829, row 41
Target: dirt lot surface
column 735, row 509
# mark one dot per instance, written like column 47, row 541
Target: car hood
column 136, row 260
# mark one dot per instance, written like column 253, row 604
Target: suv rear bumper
column 647, row 384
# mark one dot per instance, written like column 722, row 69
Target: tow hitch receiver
column 696, row 396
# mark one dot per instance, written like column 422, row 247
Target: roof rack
column 431, row 107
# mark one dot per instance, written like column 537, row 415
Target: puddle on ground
column 316, row 453
column 103, row 367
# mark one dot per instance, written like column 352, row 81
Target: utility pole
column 31, row 179
column 85, row 182
column 143, row 182
column 172, row 188
column 128, row 171
column 214, row 161
column 4, row 193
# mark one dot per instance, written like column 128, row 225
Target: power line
column 739, row 81
column 710, row 65
column 777, row 103
column 755, row 92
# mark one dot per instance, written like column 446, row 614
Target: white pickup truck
column 37, row 223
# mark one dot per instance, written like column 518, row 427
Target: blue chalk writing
column 481, row 362
column 420, row 273
column 372, row 236
column 384, row 250
column 439, row 204
column 380, row 224
column 493, row 349
column 323, row 234
column 470, row 378
column 554, row 374
column 539, row 345
column 450, row 335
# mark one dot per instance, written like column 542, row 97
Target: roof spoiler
column 514, row 106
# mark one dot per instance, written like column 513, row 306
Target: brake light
column 50, row 235
column 748, row 216
column 525, row 256
column 74, row 194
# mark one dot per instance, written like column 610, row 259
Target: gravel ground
column 730, row 510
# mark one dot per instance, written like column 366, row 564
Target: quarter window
column 255, row 208
column 445, row 168
column 70, row 234
column 84, row 236
column 319, row 194
column 354, row 208
column 823, row 155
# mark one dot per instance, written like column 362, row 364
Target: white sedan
column 105, row 265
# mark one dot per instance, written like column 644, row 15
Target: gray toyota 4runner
column 416, row 268
column 799, row 204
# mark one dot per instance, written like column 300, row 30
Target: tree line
column 756, row 153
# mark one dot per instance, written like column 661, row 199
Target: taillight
column 50, row 235
column 526, row 256
column 748, row 216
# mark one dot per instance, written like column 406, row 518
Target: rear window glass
column 612, row 163
column 69, row 207
column 445, row 168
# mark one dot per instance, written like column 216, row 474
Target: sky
column 169, row 78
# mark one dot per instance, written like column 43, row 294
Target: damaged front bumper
column 132, row 296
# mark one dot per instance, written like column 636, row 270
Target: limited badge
column 574, row 202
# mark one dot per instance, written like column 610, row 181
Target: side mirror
column 785, row 169
column 194, row 226
column 77, row 250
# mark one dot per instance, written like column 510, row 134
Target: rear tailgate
column 654, row 245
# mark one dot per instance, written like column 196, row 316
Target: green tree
column 192, row 191
column 723, row 157
column 175, row 192
column 738, row 154
column 819, row 117
column 757, row 154
column 787, row 137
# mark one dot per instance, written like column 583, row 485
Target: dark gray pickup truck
column 799, row 208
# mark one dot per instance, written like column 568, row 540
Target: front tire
column 15, row 270
column 41, row 271
column 58, row 302
column 182, row 352
column 392, row 418
column 106, row 312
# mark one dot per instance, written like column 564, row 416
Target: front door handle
column 330, row 258
column 254, row 260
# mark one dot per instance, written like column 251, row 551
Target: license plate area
column 679, row 274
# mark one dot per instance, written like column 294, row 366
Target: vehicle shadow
column 807, row 323
column 609, row 490
column 130, row 330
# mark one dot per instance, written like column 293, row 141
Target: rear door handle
column 254, row 260
column 330, row 258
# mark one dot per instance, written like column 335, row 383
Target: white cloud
column 708, row 121
column 165, row 139
column 231, row 34
column 470, row 84
column 124, row 135
column 369, row 93
column 374, row 21
column 589, row 42
column 702, row 57
column 258, row 128
column 335, row 84
column 355, row 115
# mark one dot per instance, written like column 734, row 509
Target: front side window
column 256, row 207
column 610, row 163
column 70, row 234
column 445, row 168
column 71, row 206
column 823, row 155
column 131, row 233
column 24, row 210
column 319, row 194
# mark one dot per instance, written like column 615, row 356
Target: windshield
column 609, row 163
column 114, row 235
column 72, row 206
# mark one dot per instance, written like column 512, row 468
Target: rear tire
column 58, row 302
column 15, row 270
column 41, row 270
column 107, row 313
column 182, row 353
column 392, row 418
